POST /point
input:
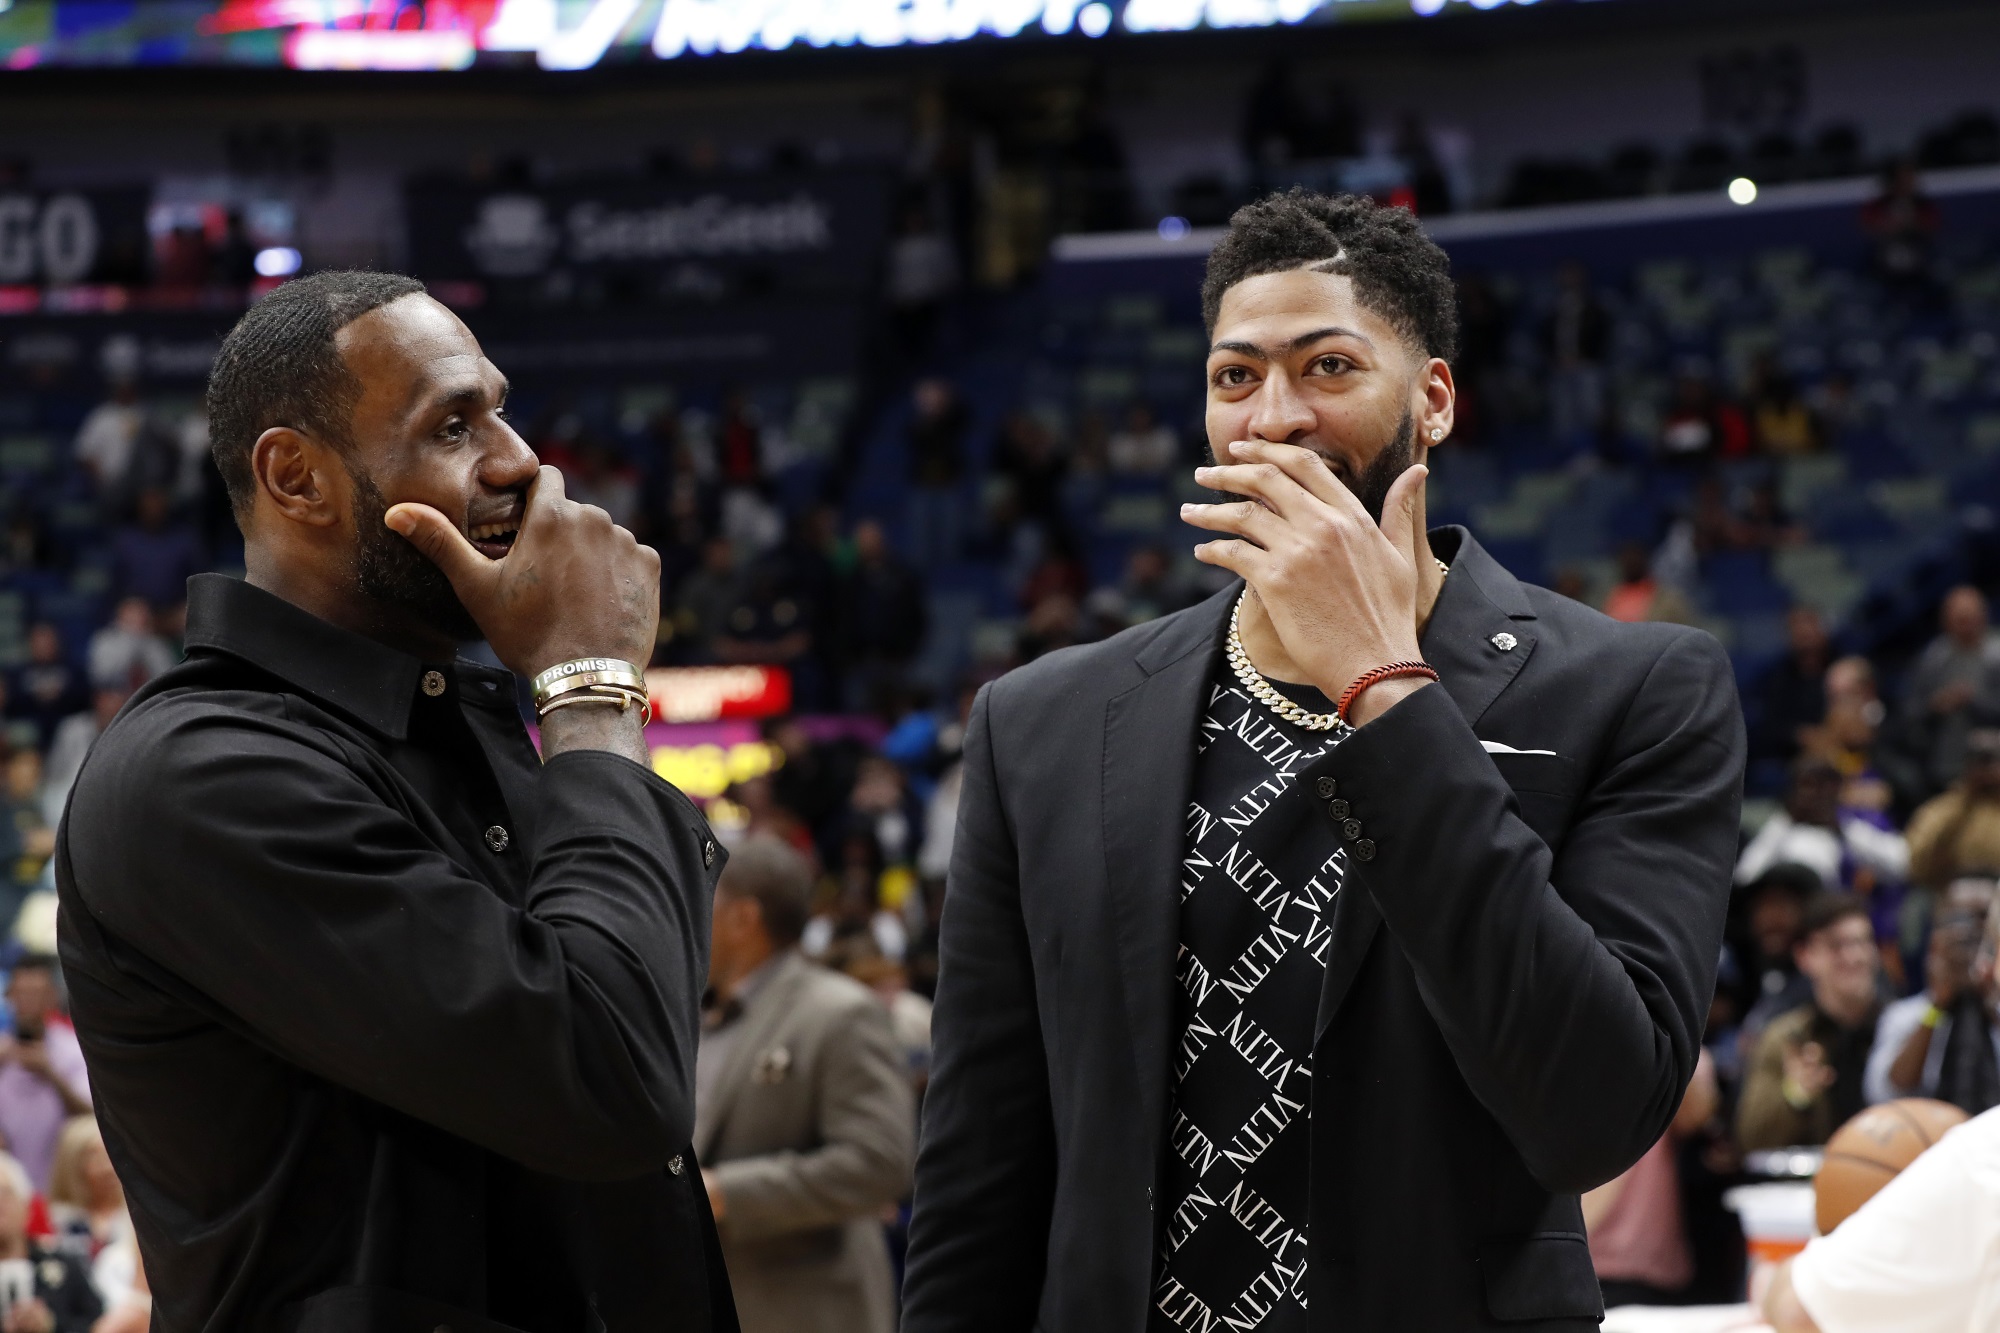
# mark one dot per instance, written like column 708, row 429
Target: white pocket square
column 1495, row 747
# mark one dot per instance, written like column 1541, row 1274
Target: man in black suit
column 391, row 1024
column 1221, row 976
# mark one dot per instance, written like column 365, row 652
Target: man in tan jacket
column 804, row 1117
column 1958, row 831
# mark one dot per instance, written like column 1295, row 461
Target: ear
column 296, row 476
column 1436, row 412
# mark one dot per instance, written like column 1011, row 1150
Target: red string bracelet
column 1376, row 677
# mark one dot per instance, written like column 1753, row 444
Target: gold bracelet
column 544, row 679
column 584, row 680
column 603, row 694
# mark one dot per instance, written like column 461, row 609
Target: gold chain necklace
column 1267, row 694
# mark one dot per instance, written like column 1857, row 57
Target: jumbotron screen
column 580, row 34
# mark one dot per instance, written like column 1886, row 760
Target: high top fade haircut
column 279, row 367
column 1398, row 272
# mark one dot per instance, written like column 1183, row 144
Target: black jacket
column 390, row 1026
column 1523, row 956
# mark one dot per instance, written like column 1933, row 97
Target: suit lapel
column 759, row 1024
column 1149, row 735
column 1479, row 604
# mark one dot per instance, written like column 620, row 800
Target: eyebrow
column 1298, row 344
column 466, row 395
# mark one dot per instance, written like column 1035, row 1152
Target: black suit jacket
column 1514, row 995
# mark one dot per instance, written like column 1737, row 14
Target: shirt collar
column 368, row 681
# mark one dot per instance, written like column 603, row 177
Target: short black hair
column 1398, row 272
column 1827, row 910
column 772, row 874
column 279, row 367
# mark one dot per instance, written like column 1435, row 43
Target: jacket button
column 1351, row 829
column 1365, row 850
column 1328, row 789
column 433, row 683
column 708, row 854
column 676, row 1165
column 1338, row 809
column 496, row 838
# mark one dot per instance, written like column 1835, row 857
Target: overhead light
column 280, row 261
column 1743, row 190
column 1172, row 229
column 1094, row 19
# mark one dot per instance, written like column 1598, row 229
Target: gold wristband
column 584, row 680
column 561, row 670
column 600, row 694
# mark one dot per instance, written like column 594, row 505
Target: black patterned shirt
column 1261, row 868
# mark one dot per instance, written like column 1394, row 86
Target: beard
column 1390, row 462
column 393, row 573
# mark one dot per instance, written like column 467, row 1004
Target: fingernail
column 398, row 523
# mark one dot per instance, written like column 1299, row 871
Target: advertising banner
column 815, row 234
column 65, row 237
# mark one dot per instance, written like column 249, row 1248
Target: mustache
column 1391, row 461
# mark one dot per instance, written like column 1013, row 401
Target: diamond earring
column 1437, row 433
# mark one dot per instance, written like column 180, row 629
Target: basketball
column 1870, row 1150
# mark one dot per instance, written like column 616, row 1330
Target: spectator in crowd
column 59, row 1295
column 1814, row 831
column 922, row 273
column 1700, row 427
column 109, row 436
column 1149, row 588
column 804, row 1119
column 42, row 1079
column 1639, row 596
column 72, row 743
column 1793, row 692
column 601, row 476
column 856, row 923
column 1576, row 336
column 1957, row 832
column 1027, row 456
column 881, row 614
column 936, row 442
column 1145, row 446
column 1636, row 1224
column 740, row 442
column 813, row 781
column 87, row 1210
column 1903, row 223
column 46, row 688
column 909, row 1012
column 704, row 599
column 1941, row 1042
column 1954, row 682
column 1915, row 1258
column 128, row 652
column 765, row 816
column 1780, row 421
column 153, row 557
column 1772, row 913
column 1805, row 1078
column 767, row 623
column 27, row 840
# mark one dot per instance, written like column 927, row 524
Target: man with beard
column 391, row 1023
column 1308, row 952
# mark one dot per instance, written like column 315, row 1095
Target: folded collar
column 370, row 682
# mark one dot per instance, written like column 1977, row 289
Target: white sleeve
column 1879, row 848
column 1899, row 1021
column 1763, row 848
column 1913, row 1258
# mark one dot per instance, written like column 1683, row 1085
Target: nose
column 1282, row 415
column 509, row 463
